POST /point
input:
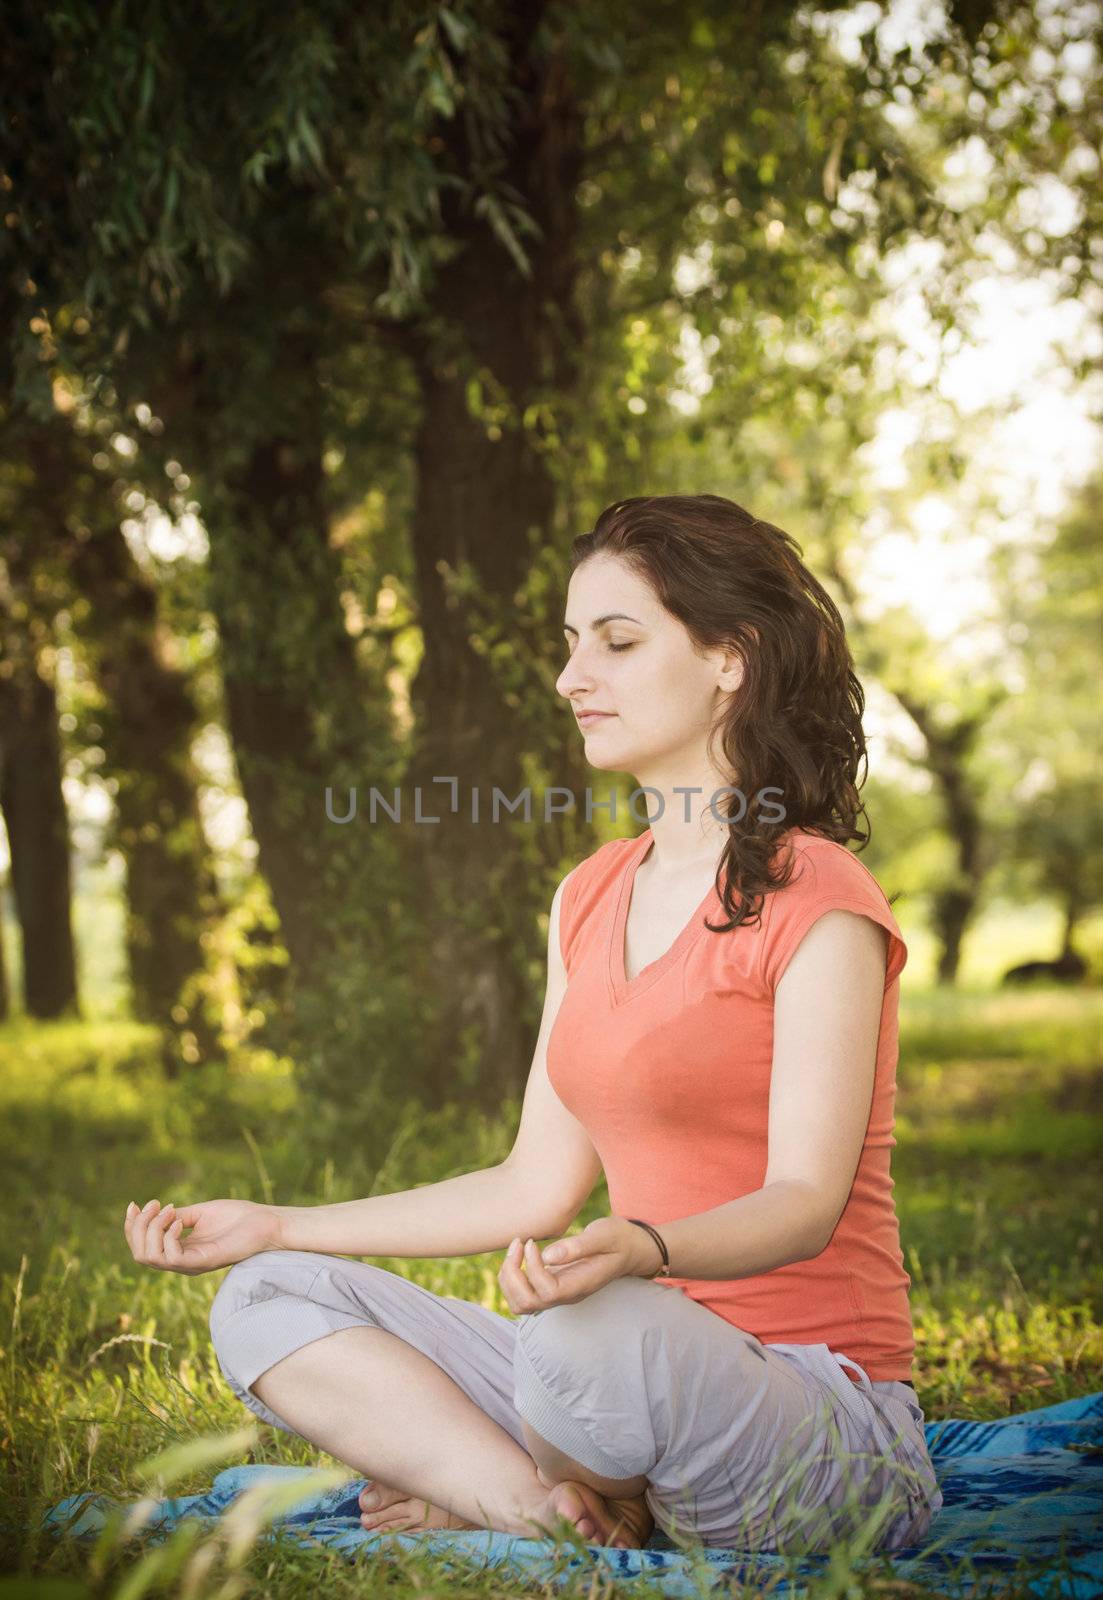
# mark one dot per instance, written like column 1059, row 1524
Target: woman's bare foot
column 395, row 1511
column 635, row 1523
column 600, row 1519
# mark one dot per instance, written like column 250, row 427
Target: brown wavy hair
column 795, row 723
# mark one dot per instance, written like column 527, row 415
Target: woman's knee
column 593, row 1332
column 241, row 1331
column 269, row 1275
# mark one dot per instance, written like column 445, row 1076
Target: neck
column 688, row 831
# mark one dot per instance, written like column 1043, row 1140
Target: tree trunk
column 486, row 498
column 949, row 746
column 38, row 831
column 297, row 707
column 244, row 396
column 171, row 888
column 952, row 911
column 948, row 750
column 1074, row 911
column 145, row 729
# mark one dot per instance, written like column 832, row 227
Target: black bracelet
column 664, row 1270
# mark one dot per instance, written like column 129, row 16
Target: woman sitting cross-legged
column 728, row 1354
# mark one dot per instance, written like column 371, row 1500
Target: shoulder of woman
column 825, row 867
column 825, row 876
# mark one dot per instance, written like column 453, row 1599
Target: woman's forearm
column 460, row 1216
column 767, row 1228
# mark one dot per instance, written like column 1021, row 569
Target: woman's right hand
column 222, row 1232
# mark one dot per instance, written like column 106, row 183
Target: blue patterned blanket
column 1023, row 1505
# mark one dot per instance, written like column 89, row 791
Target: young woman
column 728, row 1353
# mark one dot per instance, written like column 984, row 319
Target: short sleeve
column 583, row 890
column 567, row 914
column 828, row 877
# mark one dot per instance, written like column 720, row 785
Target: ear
column 734, row 667
column 732, row 671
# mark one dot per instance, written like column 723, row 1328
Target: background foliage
column 324, row 329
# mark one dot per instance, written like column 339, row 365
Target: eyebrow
column 599, row 622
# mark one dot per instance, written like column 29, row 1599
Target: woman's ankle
column 530, row 1519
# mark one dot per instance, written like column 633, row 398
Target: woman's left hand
column 569, row 1269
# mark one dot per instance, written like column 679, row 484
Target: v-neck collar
column 621, row 987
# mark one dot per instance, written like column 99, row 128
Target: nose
column 575, row 675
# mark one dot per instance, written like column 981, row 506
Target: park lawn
column 104, row 1364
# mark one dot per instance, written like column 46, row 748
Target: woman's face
column 634, row 661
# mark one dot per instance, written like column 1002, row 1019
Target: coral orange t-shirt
column 670, row 1076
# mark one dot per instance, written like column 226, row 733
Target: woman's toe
column 378, row 1496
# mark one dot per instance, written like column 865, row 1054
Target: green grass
column 103, row 1364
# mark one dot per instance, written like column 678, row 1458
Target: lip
column 585, row 717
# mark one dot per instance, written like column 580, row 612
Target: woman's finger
column 535, row 1285
column 509, row 1278
column 583, row 1278
column 138, row 1228
column 154, row 1253
column 155, row 1235
column 174, row 1250
column 562, row 1251
column 515, row 1286
column 133, row 1212
column 543, row 1282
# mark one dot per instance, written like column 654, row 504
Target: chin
column 597, row 754
column 611, row 756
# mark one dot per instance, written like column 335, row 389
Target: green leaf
column 456, row 30
column 145, row 89
column 439, row 95
column 172, row 192
column 304, row 128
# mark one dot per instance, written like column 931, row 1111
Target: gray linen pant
column 745, row 1445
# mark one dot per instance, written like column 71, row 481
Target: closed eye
column 628, row 646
